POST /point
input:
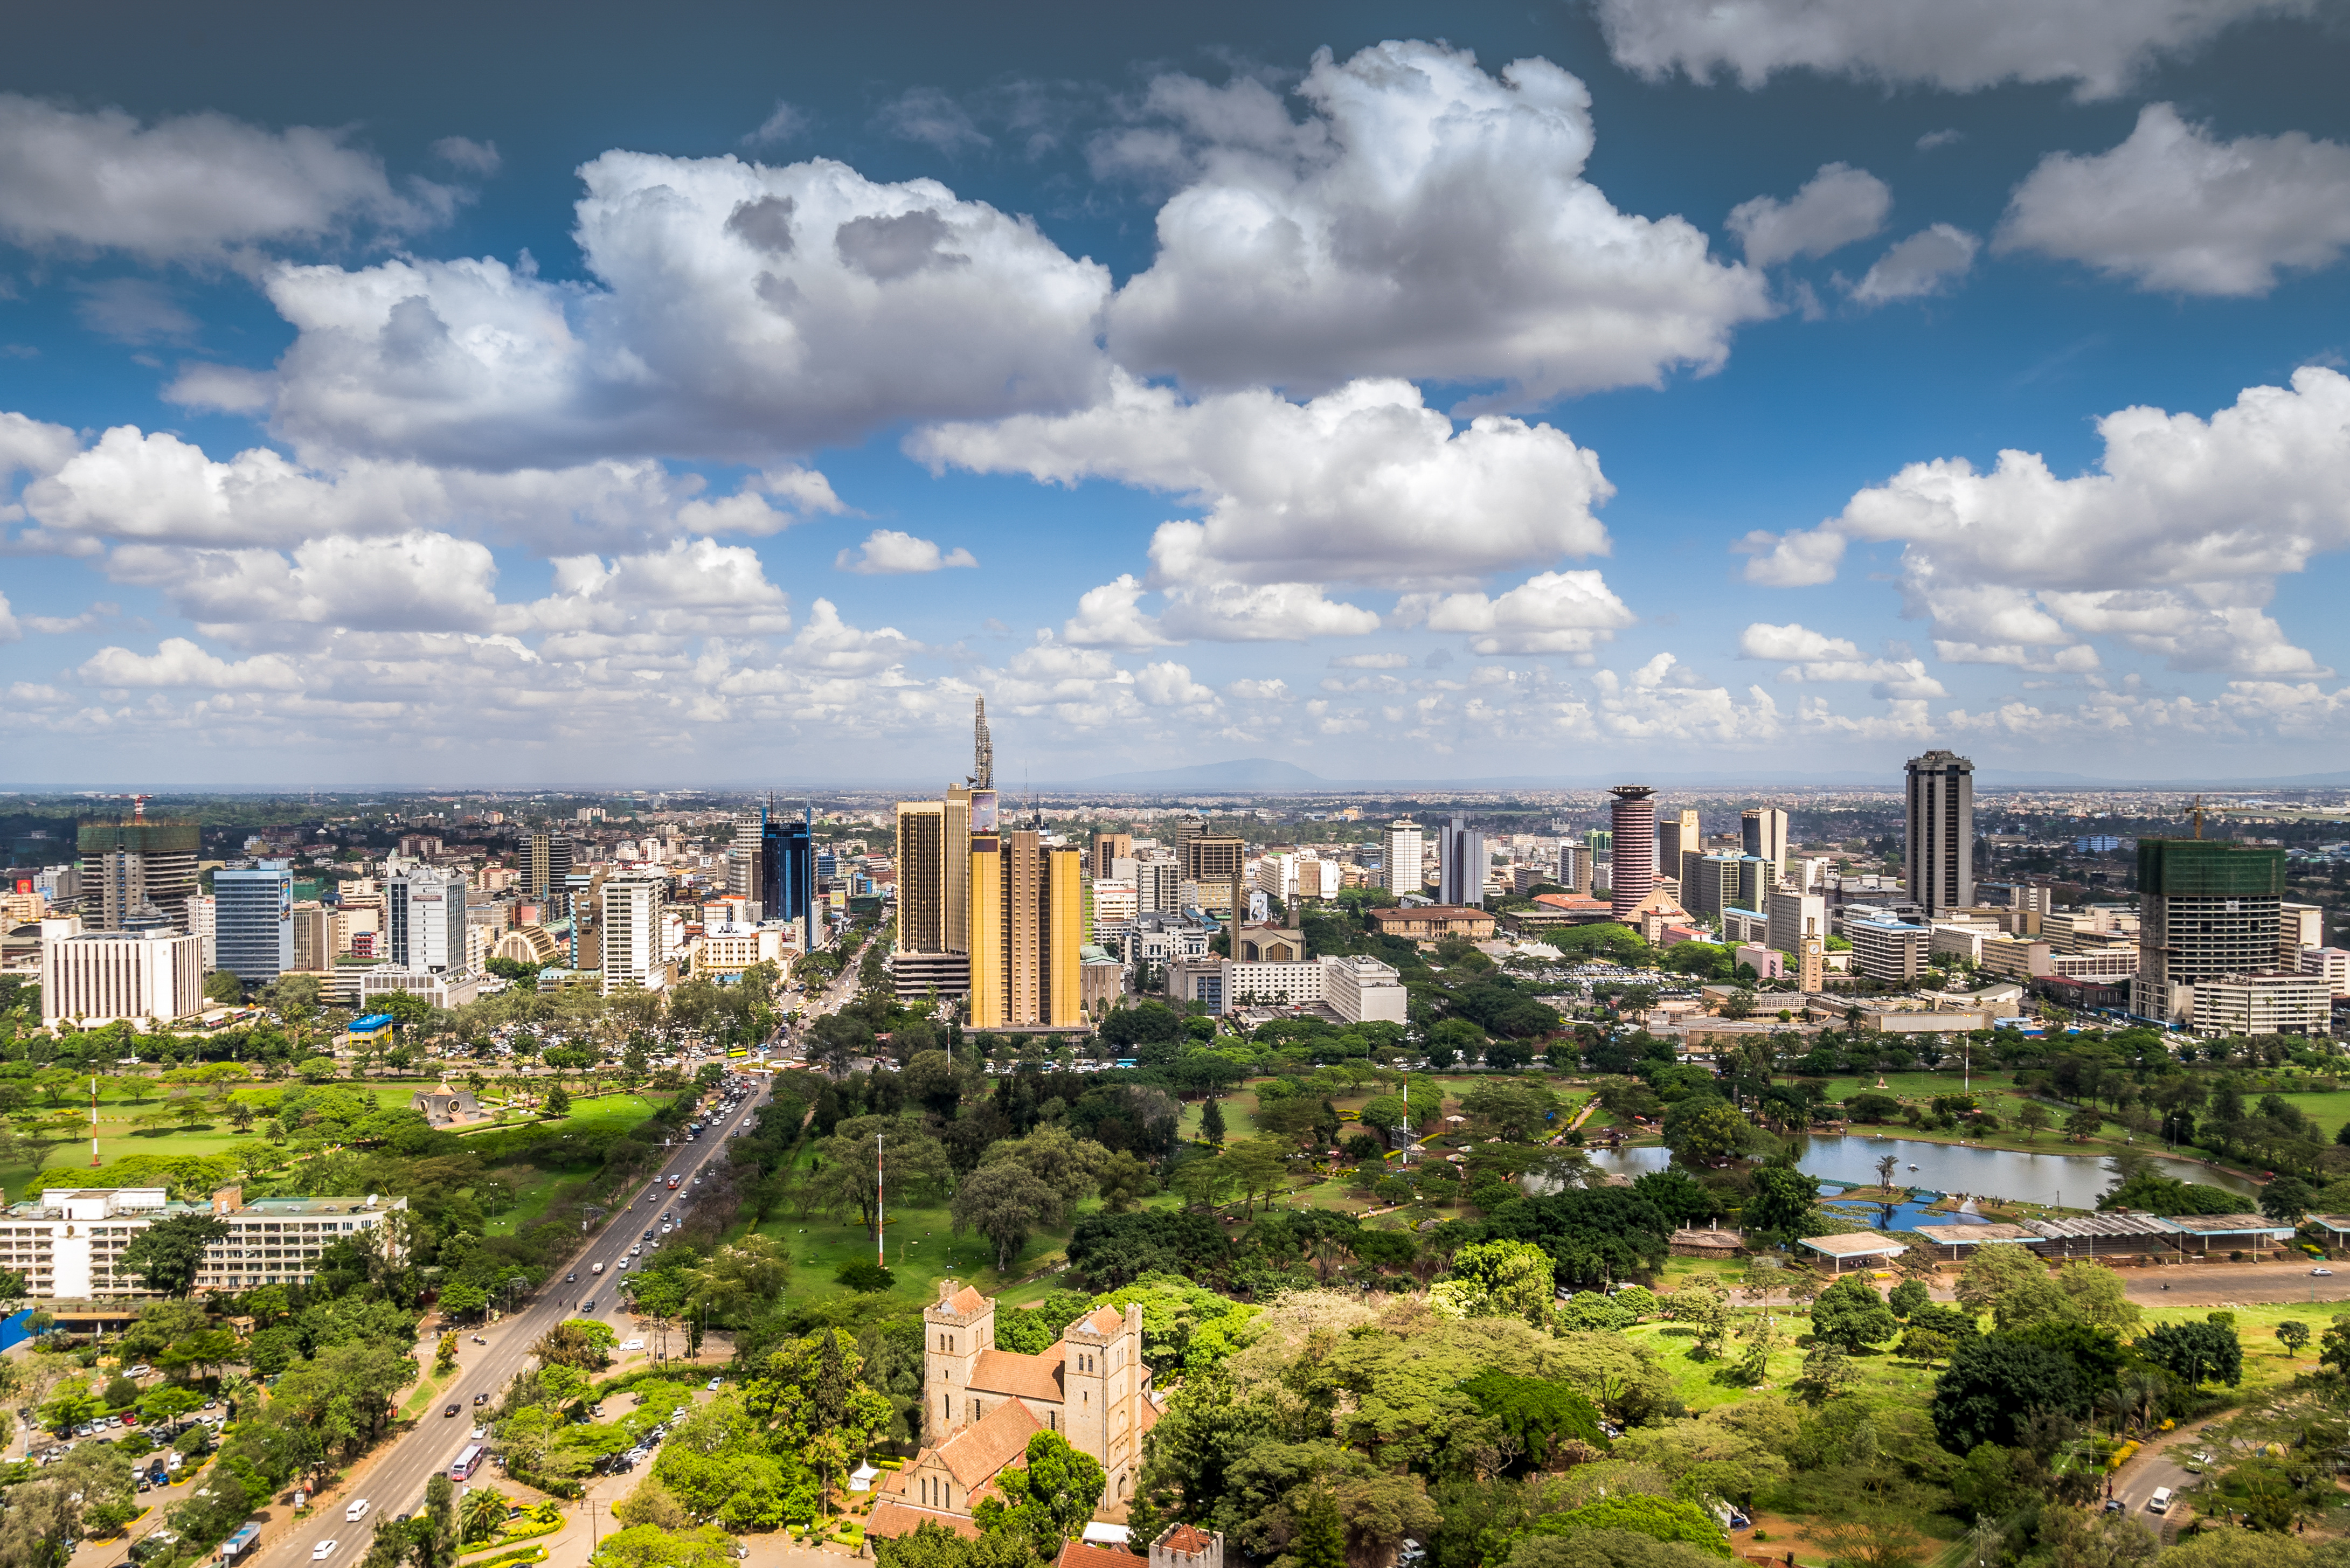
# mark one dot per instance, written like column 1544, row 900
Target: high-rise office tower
column 1027, row 925
column 921, row 877
column 1400, row 862
column 1632, row 866
column 1158, row 884
column 1109, row 848
column 1939, row 855
column 632, row 943
column 745, row 870
column 1763, row 833
column 982, row 748
column 127, row 866
column 546, row 864
column 1215, row 862
column 787, row 870
column 253, row 921
column 1461, row 863
column 1710, row 884
column 2207, row 908
column 424, row 919
column 1678, row 834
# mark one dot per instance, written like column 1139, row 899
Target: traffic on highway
column 589, row 1287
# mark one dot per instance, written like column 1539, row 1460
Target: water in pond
column 2064, row 1178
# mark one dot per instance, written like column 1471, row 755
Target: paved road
column 2213, row 1284
column 2152, row 1467
column 396, row 1476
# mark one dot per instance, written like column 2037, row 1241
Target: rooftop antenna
column 138, row 808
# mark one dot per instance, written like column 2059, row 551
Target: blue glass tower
column 787, row 867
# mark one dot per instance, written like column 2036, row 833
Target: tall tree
column 168, row 1254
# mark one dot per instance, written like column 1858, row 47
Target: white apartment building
column 730, row 949
column 2331, row 965
column 1264, row 984
column 424, row 919
column 2262, row 1004
column 2299, row 926
column 1117, row 902
column 1402, row 850
column 452, row 987
column 66, row 1242
column 2098, row 963
column 1292, row 875
column 1356, row 989
column 632, row 956
column 92, row 977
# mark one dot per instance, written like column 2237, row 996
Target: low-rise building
column 93, row 978
column 2331, row 965
column 2263, row 1005
column 68, row 1241
column 1434, row 923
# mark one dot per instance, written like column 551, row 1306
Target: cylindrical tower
column 1633, row 820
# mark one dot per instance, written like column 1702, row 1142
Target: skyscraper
column 1461, row 863
column 127, row 866
column 788, row 871
column 1677, row 835
column 745, row 872
column 1214, row 864
column 1026, row 924
column 1109, row 848
column 424, row 919
column 921, row 877
column 2207, row 908
column 983, row 747
column 630, row 944
column 1763, row 831
column 1399, row 865
column 1939, row 855
column 1632, row 869
column 545, row 863
column 253, row 921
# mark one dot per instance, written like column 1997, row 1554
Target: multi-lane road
column 393, row 1483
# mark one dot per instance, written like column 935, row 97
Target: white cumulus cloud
column 2171, row 546
column 886, row 551
column 1836, row 207
column 2176, row 209
column 1426, row 219
column 734, row 310
column 179, row 662
column 1924, row 264
column 1365, row 484
column 1959, row 45
column 1555, row 612
column 191, row 188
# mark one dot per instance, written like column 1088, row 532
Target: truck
column 673, row 1180
column 238, row 1543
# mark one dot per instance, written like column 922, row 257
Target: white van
column 357, row 1511
column 2160, row 1501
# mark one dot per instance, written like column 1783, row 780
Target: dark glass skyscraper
column 788, row 871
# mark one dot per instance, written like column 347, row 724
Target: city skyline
column 1978, row 392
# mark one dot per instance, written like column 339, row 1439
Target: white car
column 324, row 1550
column 356, row 1511
column 714, row 1385
column 633, row 1344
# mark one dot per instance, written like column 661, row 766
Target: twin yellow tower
column 994, row 915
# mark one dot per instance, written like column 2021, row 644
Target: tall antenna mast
column 881, row 1217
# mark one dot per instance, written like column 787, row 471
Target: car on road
column 480, row 1398
column 141, row 1370
column 572, row 1278
column 2160, row 1501
column 356, row 1511
column 633, row 1344
column 588, row 1305
column 714, row 1385
column 452, row 1408
column 649, row 1235
column 324, row 1550
column 2323, row 1273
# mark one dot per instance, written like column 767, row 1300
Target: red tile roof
column 1026, row 1376
column 1082, row 1554
column 1107, row 1319
column 968, row 1301
column 892, row 1518
column 974, row 1455
column 1186, row 1538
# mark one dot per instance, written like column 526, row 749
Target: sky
column 730, row 394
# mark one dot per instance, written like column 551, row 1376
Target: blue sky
column 1586, row 387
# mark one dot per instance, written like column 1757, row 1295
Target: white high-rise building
column 1794, row 916
column 203, row 925
column 632, row 934
column 1399, row 866
column 1460, row 864
column 424, row 921
column 1115, row 908
column 1158, row 884
column 1763, row 833
column 1939, row 855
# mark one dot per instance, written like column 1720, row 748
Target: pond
column 2059, row 1179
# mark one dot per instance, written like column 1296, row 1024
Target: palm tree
column 1886, row 1167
